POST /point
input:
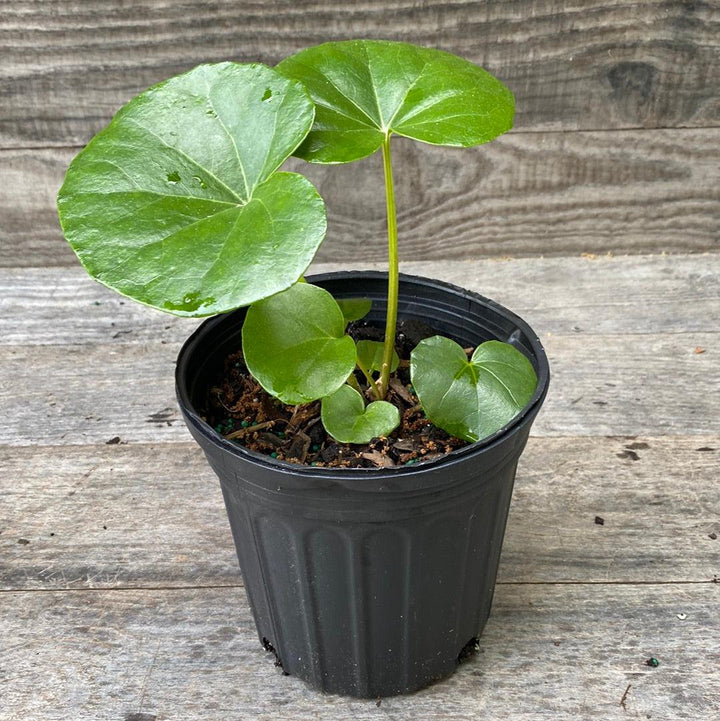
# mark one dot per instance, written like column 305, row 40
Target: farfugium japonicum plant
column 180, row 204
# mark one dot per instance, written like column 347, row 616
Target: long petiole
column 393, row 275
column 369, row 379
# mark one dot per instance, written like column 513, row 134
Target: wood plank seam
column 200, row 587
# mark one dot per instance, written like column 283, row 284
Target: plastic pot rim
column 460, row 455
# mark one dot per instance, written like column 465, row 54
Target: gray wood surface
column 99, row 516
column 606, row 380
column 120, row 597
column 548, row 652
column 615, row 146
column 523, row 194
column 598, row 64
column 573, row 295
column 89, row 394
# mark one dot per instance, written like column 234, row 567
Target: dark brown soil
column 240, row 410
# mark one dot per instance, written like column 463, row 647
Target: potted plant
column 365, row 581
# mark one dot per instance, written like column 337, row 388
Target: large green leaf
column 177, row 204
column 471, row 399
column 367, row 89
column 347, row 420
column 295, row 345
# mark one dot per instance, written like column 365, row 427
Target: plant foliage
column 471, row 399
column 364, row 90
column 347, row 419
column 179, row 204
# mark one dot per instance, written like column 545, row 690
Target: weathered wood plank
column 64, row 306
column 602, row 385
column 525, row 194
column 149, row 516
column 30, row 232
column 108, row 516
column 601, row 64
column 560, row 652
column 89, row 394
column 532, row 194
column 630, row 385
column 607, row 294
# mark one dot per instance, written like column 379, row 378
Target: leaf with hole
column 354, row 308
column 471, row 399
column 348, row 420
column 177, row 203
column 295, row 345
column 370, row 354
column 365, row 90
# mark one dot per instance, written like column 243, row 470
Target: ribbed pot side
column 369, row 582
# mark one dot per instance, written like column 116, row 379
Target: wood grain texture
column 134, row 610
column 30, row 231
column 573, row 295
column 548, row 652
column 522, row 195
column 602, row 385
column 144, row 516
column 113, row 516
column 531, row 194
column 608, row 383
column 598, row 64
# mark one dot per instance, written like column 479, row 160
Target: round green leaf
column 367, row 89
column 370, row 354
column 354, row 308
column 347, row 420
column 177, row 204
column 471, row 399
column 295, row 345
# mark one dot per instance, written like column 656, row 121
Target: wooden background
column 120, row 594
column 616, row 145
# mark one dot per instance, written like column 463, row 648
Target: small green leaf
column 347, row 420
column 354, row 308
column 366, row 89
column 370, row 354
column 177, row 203
column 295, row 345
column 471, row 399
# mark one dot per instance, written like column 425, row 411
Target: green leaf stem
column 370, row 356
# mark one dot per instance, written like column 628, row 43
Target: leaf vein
column 504, row 386
column 187, row 157
column 232, row 139
column 373, row 124
column 407, row 92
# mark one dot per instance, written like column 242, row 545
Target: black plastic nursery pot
column 369, row 582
